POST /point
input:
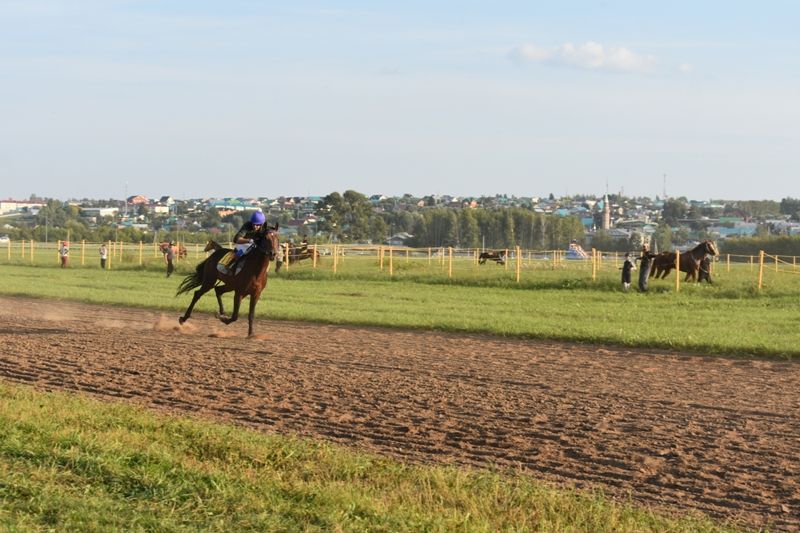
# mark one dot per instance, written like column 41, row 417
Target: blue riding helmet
column 257, row 218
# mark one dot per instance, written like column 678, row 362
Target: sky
column 104, row 98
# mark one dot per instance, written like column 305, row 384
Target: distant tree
column 674, row 210
column 663, row 238
column 791, row 207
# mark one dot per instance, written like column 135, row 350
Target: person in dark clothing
column 169, row 257
column 705, row 270
column 645, row 262
column 627, row 266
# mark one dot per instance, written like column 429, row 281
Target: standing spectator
column 645, row 262
column 169, row 257
column 627, row 266
column 63, row 252
column 103, row 255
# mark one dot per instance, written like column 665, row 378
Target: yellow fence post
column 751, row 263
column 760, row 268
column 391, row 262
column 58, row 255
column 110, row 255
column 728, row 263
column 141, row 253
column 505, row 266
column 83, row 252
column 450, row 262
column 519, row 261
column 380, row 257
column 677, row 271
column 314, row 256
column 31, row 251
column 335, row 258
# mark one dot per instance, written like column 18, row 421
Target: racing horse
column 690, row 261
column 499, row 257
column 250, row 281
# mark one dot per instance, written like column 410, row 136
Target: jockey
column 244, row 237
column 242, row 241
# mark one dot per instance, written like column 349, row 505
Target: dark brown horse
column 300, row 253
column 249, row 281
column 690, row 261
column 499, row 257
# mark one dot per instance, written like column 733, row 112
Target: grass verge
column 71, row 463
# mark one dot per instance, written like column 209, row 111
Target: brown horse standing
column 250, row 281
column 299, row 254
column 690, row 261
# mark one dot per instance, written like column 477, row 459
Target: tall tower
column 606, row 213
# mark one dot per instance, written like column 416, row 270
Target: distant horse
column 180, row 250
column 250, row 281
column 212, row 246
column 499, row 257
column 664, row 262
column 299, row 254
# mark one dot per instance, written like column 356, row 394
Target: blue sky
column 246, row 98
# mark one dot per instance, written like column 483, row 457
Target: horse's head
column 267, row 242
column 211, row 245
column 710, row 248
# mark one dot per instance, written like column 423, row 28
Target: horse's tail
column 196, row 279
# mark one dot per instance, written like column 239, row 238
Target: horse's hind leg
column 197, row 294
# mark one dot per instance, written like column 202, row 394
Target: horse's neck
column 260, row 262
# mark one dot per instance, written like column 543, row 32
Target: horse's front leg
column 252, row 313
column 219, row 290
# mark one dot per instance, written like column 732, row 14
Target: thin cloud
column 590, row 56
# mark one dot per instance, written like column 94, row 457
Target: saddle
column 232, row 262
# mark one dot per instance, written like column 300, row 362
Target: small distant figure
column 304, row 245
column 645, row 263
column 169, row 257
column 103, row 256
column 63, row 253
column 705, row 270
column 627, row 267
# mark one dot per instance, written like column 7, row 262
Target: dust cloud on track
column 678, row 432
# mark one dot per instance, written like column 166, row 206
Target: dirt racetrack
column 673, row 431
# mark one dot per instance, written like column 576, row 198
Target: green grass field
column 731, row 317
column 73, row 464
